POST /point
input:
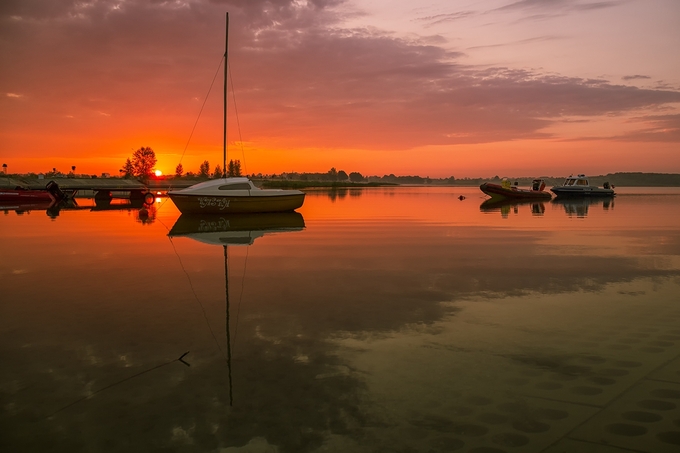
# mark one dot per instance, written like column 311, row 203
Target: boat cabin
column 579, row 180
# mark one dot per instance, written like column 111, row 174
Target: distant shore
column 628, row 179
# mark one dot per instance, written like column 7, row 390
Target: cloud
column 301, row 79
column 635, row 77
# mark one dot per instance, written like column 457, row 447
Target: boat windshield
column 239, row 186
column 582, row 182
column 569, row 182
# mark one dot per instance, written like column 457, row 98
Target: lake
column 405, row 319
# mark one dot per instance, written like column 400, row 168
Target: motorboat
column 233, row 194
column 505, row 190
column 579, row 186
column 21, row 194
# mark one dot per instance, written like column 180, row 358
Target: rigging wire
column 205, row 315
column 201, row 111
column 238, row 122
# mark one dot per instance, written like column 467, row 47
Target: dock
column 102, row 189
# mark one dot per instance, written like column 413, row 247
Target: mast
column 224, row 138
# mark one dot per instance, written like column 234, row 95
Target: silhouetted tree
column 179, row 169
column 356, row 177
column 234, row 168
column 342, row 175
column 143, row 162
column 128, row 169
column 204, row 169
column 333, row 174
column 218, row 173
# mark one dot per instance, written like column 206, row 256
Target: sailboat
column 235, row 194
column 230, row 230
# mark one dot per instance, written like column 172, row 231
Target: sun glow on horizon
column 158, row 173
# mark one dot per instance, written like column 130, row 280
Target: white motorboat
column 579, row 186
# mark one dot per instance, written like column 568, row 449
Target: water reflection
column 537, row 208
column 578, row 206
column 401, row 320
column 145, row 212
column 233, row 230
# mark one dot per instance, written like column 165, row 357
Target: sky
column 434, row 88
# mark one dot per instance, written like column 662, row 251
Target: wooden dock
column 102, row 189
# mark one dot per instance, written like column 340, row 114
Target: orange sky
column 502, row 87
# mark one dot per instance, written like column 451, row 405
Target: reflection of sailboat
column 505, row 205
column 578, row 207
column 234, row 229
column 232, row 195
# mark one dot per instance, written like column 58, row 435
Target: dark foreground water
column 382, row 320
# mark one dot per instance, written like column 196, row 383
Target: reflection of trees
column 147, row 214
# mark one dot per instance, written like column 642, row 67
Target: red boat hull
column 25, row 196
column 498, row 191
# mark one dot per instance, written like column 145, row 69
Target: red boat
column 507, row 191
column 23, row 195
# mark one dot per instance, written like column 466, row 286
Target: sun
column 158, row 173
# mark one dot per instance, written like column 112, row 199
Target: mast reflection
column 234, row 229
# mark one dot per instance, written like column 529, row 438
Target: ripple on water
column 448, row 444
column 641, row 416
column 656, row 405
column 491, row 418
column 614, row 372
column 512, row 408
column 530, row 426
column 548, row 385
column 601, row 380
column 461, row 411
column 550, row 414
column 510, row 439
column 487, row 450
column 626, row 429
column 575, row 370
column 592, row 359
column 652, row 349
column 516, row 381
column 469, row 429
column 666, row 393
column 478, row 400
column 662, row 344
column 585, row 390
column 627, row 364
column 669, row 437
column 669, row 337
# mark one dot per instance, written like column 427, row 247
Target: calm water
column 391, row 320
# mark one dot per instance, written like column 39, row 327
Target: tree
column 234, row 168
column 143, row 162
column 179, row 170
column 333, row 174
column 128, row 169
column 217, row 174
column 204, row 169
column 356, row 177
column 342, row 175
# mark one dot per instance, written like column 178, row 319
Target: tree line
column 143, row 161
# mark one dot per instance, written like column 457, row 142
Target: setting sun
column 158, row 173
